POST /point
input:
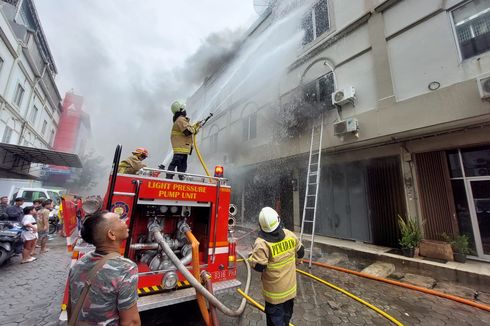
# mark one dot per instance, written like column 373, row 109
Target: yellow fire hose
column 379, row 311
column 253, row 302
column 199, row 154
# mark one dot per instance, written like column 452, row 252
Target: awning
column 40, row 155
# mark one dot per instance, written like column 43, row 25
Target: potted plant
column 460, row 245
column 410, row 235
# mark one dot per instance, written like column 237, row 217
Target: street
column 31, row 295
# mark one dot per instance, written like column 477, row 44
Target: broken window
column 316, row 21
column 319, row 92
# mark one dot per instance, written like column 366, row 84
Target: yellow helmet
column 177, row 106
column 268, row 219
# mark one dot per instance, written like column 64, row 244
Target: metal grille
column 435, row 194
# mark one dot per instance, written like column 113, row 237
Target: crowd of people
column 35, row 224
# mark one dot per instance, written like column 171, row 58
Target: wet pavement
column 32, row 293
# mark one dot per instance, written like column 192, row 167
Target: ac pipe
column 197, row 284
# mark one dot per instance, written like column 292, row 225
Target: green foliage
column 459, row 243
column 411, row 235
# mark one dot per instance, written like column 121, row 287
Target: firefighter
column 133, row 163
column 181, row 139
column 274, row 255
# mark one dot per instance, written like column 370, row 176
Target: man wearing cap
column 274, row 255
column 133, row 163
column 15, row 212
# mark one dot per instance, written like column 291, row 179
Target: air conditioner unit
column 345, row 126
column 484, row 85
column 343, row 96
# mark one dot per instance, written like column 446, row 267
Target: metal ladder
column 312, row 184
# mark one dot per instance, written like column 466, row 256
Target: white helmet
column 268, row 219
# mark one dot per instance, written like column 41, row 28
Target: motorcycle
column 53, row 220
column 10, row 240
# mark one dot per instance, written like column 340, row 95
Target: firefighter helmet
column 142, row 151
column 178, row 106
column 268, row 219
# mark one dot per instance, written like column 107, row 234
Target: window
column 319, row 92
column 30, row 196
column 472, row 25
column 250, row 126
column 43, row 130
column 19, row 93
column 7, row 134
column 316, row 21
column 51, row 138
column 33, row 116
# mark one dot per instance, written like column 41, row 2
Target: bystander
column 103, row 285
column 15, row 212
column 29, row 235
column 4, row 203
column 43, row 224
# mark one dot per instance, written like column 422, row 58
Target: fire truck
column 177, row 227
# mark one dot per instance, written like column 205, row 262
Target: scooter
column 10, row 240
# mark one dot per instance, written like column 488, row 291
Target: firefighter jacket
column 181, row 137
column 278, row 255
column 131, row 165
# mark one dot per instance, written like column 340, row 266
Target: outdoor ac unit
column 484, row 85
column 345, row 126
column 343, row 96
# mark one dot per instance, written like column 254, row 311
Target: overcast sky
column 130, row 58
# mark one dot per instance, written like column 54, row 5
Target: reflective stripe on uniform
column 281, row 263
column 181, row 150
column 279, row 295
column 177, row 133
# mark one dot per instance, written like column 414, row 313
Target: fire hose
column 196, row 283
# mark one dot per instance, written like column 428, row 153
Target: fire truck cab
column 150, row 200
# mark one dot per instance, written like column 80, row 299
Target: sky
column 130, row 59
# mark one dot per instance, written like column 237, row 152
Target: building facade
column 421, row 146
column 30, row 107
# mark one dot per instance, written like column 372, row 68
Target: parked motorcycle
column 10, row 240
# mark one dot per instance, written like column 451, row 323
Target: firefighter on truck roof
column 133, row 163
column 274, row 255
column 181, row 139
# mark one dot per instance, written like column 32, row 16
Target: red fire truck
column 167, row 214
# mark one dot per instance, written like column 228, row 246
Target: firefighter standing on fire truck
column 133, row 163
column 181, row 139
column 274, row 255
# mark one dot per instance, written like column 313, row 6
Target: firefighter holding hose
column 274, row 255
column 181, row 139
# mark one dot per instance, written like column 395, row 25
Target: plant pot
column 459, row 257
column 408, row 252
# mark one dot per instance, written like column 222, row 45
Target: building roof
column 40, row 155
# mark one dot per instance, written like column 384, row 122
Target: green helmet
column 177, row 106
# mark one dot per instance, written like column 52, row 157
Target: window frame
column 455, row 33
column 328, row 76
column 330, row 28
column 44, row 128
column 247, row 120
column 10, row 131
column 51, row 138
column 18, row 98
column 33, row 115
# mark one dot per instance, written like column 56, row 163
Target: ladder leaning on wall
column 312, row 185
